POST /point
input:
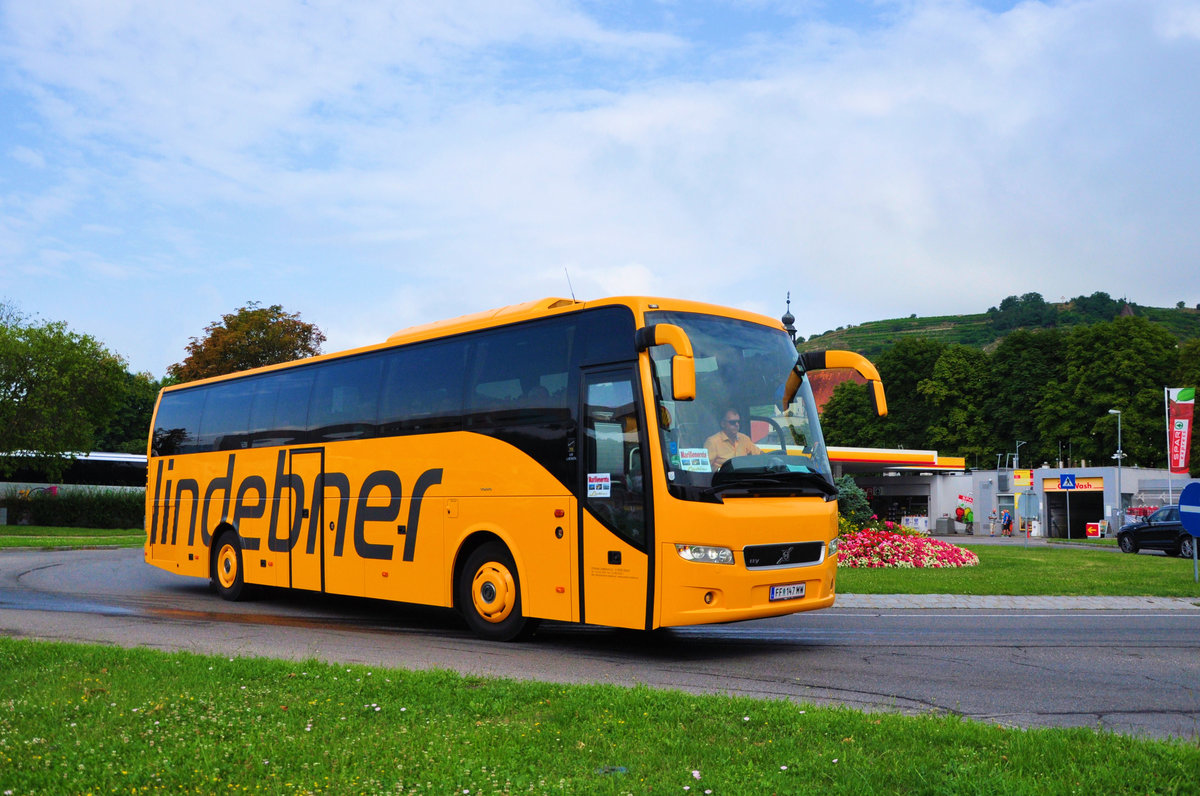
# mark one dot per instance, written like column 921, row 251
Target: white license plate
column 791, row 591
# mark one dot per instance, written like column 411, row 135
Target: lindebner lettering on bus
column 250, row 501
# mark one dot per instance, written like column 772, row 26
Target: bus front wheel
column 489, row 594
column 227, row 576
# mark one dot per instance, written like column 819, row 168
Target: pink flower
column 885, row 548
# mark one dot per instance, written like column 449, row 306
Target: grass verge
column 99, row 719
column 51, row 537
column 1035, row 570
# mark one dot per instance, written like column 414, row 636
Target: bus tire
column 227, row 571
column 489, row 594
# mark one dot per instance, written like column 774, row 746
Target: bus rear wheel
column 227, row 570
column 489, row 594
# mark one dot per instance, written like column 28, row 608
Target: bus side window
column 290, row 425
column 519, row 375
column 226, row 413
column 177, row 425
column 345, row 399
column 262, row 412
column 422, row 389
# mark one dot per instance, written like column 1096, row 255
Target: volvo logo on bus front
column 785, row 556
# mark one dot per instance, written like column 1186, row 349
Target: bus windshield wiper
column 760, row 483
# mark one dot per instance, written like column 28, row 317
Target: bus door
column 614, row 527
column 305, row 513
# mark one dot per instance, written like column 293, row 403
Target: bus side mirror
column 683, row 364
column 827, row 360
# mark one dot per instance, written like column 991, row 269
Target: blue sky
column 373, row 166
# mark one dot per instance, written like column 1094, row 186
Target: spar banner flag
column 1180, row 403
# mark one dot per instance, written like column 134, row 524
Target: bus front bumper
column 696, row 593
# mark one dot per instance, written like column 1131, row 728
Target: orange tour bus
column 548, row 460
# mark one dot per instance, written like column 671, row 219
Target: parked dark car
column 1162, row 530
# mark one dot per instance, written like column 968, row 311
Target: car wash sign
column 1180, row 403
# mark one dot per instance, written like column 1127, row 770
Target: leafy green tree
column 58, row 389
column 127, row 431
column 1096, row 308
column 1187, row 372
column 1029, row 310
column 848, row 420
column 1119, row 365
column 910, row 414
column 1023, row 372
column 251, row 337
column 955, row 391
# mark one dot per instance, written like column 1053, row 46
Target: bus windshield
column 734, row 440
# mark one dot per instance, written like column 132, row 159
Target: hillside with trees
column 985, row 330
column 1045, row 374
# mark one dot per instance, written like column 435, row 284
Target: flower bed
column 882, row 548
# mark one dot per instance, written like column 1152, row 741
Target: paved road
column 1134, row 668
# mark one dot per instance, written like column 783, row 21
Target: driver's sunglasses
column 733, row 422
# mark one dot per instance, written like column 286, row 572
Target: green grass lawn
column 38, row 536
column 1035, row 570
column 90, row 719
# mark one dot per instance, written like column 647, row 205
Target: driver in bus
column 729, row 441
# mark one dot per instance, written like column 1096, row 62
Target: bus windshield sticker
column 599, row 485
column 694, row 460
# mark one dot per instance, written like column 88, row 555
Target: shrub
column 852, row 502
column 79, row 508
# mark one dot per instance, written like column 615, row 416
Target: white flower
column 696, row 774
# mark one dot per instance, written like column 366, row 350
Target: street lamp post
column 1119, row 455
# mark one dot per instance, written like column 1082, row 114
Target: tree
column 848, row 420
column 252, row 337
column 956, row 392
column 1096, row 308
column 1024, row 369
column 1028, row 310
column 903, row 367
column 57, row 390
column 1119, row 365
column 129, row 426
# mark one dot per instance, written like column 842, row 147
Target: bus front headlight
column 705, row 554
column 833, row 545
